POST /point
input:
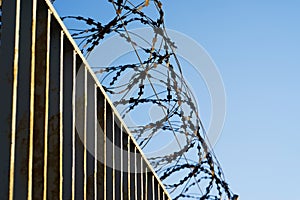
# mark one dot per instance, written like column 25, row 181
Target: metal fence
column 0, row 19
column 49, row 117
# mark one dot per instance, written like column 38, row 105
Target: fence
column 61, row 137
column 0, row 19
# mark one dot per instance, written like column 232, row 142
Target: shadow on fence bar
column 49, row 116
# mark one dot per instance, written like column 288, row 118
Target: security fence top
column 114, row 110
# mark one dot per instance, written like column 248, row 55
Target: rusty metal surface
column 6, row 101
column 68, row 81
column 40, row 101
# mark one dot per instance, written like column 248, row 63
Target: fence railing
column 60, row 135
column 0, row 19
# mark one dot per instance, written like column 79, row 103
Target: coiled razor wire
column 194, row 161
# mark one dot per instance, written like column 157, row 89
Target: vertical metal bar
column 53, row 175
column 153, row 188
column 68, row 118
column 125, row 163
column 23, row 159
column 39, row 100
column 135, row 175
column 118, row 152
column 96, row 144
column 146, row 183
column 129, row 166
column 113, row 156
column 109, row 152
column 7, row 85
column 138, row 170
column 132, row 169
column 32, row 83
column 14, row 104
column 142, row 180
column 61, row 116
column 105, row 137
column 122, row 163
column 80, row 129
column 158, row 191
column 117, row 156
column 100, row 144
column 47, row 106
column 161, row 192
column 84, row 136
column 74, row 125
column 90, row 136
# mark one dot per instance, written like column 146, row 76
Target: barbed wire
column 134, row 87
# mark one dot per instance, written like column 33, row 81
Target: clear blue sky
column 256, row 46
